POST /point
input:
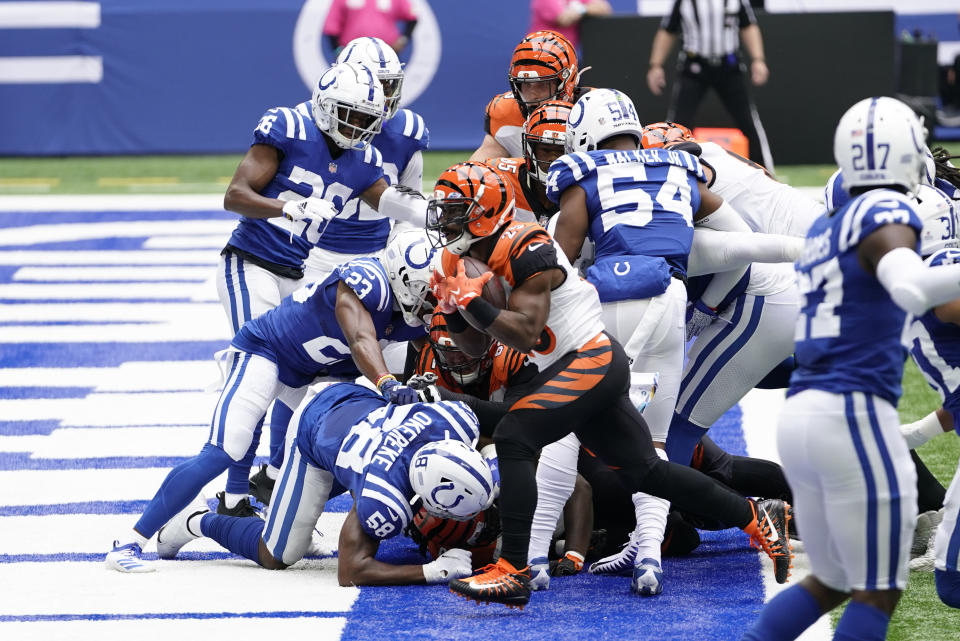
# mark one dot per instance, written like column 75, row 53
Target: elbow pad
column 404, row 205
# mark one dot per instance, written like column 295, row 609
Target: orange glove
column 457, row 291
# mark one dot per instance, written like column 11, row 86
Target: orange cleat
column 499, row 582
column 769, row 532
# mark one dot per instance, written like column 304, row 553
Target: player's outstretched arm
column 254, row 173
column 361, row 334
column 399, row 202
column 715, row 251
column 489, row 148
column 357, row 563
column 572, row 222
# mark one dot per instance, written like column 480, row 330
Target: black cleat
column 769, row 532
column 261, row 485
column 243, row 509
column 496, row 583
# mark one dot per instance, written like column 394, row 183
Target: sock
column 861, row 622
column 134, row 537
column 231, row 500
column 651, row 513
column 682, row 439
column 517, row 472
column 181, row 486
column 930, row 492
column 785, row 616
column 238, row 475
column 779, row 376
column 239, row 535
column 556, row 477
column 273, row 472
column 279, row 421
column 948, row 586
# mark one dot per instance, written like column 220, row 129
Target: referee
column 711, row 34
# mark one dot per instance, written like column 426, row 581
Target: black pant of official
column 729, row 79
column 587, row 392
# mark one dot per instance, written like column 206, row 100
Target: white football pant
column 247, row 290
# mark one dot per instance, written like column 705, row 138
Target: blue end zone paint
column 104, row 354
column 292, row 614
column 714, row 593
column 44, row 392
column 30, row 219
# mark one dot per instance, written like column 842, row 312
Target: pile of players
column 641, row 285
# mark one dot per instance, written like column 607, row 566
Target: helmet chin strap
column 461, row 245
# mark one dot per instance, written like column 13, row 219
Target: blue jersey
column 935, row 347
column 849, row 330
column 368, row 445
column 359, row 229
column 307, row 169
column 302, row 335
column 640, row 203
column 835, row 195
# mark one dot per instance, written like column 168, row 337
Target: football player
column 543, row 67
column 838, row 437
column 328, row 329
column 306, row 162
column 578, row 380
column 349, row 438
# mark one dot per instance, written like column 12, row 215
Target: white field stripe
column 93, row 533
column 761, row 412
column 49, row 15
column 120, row 410
column 180, row 331
column 105, row 442
column 178, row 586
column 63, row 232
column 212, row 241
column 95, row 291
column 114, row 202
column 129, row 377
column 125, row 273
column 166, row 629
column 198, row 313
column 108, row 257
column 50, row 69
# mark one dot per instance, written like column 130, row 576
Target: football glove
column 452, row 564
column 398, row 394
column 425, row 386
column 700, row 320
column 309, row 208
column 457, row 291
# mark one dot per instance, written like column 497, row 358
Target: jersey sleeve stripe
column 407, row 122
column 303, row 130
column 457, row 426
column 384, row 286
column 390, row 503
column 420, row 126
column 288, row 118
column 392, row 491
column 468, row 417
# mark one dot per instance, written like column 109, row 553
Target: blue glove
column 398, row 394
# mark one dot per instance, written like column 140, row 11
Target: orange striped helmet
column 543, row 67
column 660, row 134
column 451, row 360
column 545, row 126
column 470, row 201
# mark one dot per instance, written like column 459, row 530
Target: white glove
column 309, row 208
column 452, row 564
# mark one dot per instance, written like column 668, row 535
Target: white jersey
column 767, row 279
column 766, row 205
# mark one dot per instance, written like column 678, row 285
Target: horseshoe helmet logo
column 418, row 72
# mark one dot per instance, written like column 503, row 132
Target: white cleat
column 539, row 574
column 647, row 578
column 175, row 534
column 926, row 529
column 127, row 558
column 926, row 561
column 619, row 564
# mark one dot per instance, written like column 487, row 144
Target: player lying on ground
column 349, row 438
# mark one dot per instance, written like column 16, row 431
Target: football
column 493, row 291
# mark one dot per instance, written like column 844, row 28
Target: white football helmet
column 348, row 105
column 410, row 259
column 383, row 60
column 939, row 215
column 598, row 115
column 879, row 141
column 452, row 478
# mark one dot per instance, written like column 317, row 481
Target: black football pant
column 587, row 392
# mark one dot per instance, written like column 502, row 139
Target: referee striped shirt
column 709, row 28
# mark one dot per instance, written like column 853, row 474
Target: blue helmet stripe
column 372, row 80
column 459, row 461
column 383, row 59
column 870, row 117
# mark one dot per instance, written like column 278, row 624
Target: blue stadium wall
column 179, row 76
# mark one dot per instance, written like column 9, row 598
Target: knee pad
column 948, row 587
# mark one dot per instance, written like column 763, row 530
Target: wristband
column 383, row 378
column 456, row 323
column 483, row 312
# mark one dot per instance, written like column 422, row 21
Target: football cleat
column 926, row 561
column 241, row 510
column 768, row 532
column 926, row 525
column 539, row 574
column 567, row 566
column 127, row 558
column 619, row 564
column 261, row 485
column 647, row 578
column 499, row 582
column 176, row 533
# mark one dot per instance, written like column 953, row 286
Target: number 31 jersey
column 369, row 445
column 848, row 334
column 639, row 202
